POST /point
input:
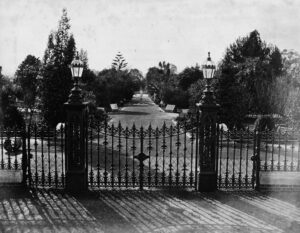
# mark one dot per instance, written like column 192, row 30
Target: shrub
column 176, row 96
column 13, row 118
column 264, row 123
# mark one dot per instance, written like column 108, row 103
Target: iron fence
column 166, row 156
column 235, row 159
column 279, row 150
column 46, row 152
column 138, row 157
column 11, row 149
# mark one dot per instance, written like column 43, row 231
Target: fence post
column 208, row 141
column 256, row 160
column 76, row 138
column 257, row 168
column 24, row 156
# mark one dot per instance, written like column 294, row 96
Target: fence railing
column 151, row 156
column 169, row 155
column 235, row 167
column 38, row 151
column 46, row 152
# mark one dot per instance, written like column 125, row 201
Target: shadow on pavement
column 23, row 210
column 45, row 210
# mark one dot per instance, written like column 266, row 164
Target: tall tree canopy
column 189, row 76
column 113, row 86
column 12, row 117
column 27, row 78
column 56, row 76
column 159, row 78
column 291, row 67
column 249, row 72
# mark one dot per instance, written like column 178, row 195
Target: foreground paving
column 148, row 211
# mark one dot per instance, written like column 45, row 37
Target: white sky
column 145, row 31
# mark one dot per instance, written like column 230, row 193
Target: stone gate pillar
column 207, row 179
column 76, row 136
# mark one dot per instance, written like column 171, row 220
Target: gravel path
column 142, row 112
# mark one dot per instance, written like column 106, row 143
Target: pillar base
column 76, row 182
column 207, row 182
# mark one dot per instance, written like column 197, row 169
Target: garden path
column 142, row 111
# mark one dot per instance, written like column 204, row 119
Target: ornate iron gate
column 142, row 157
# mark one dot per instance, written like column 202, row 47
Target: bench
column 114, row 107
column 170, row 108
column 101, row 109
column 184, row 113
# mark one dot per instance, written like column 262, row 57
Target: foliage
column 189, row 76
column 195, row 92
column 183, row 89
column 138, row 78
column 13, row 117
column 291, row 67
column 176, row 96
column 27, row 78
column 161, row 78
column 56, row 76
column 119, row 62
column 9, row 93
column 153, row 80
column 264, row 123
column 113, row 86
column 248, row 72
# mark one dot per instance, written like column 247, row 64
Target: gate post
column 25, row 158
column 208, row 107
column 256, row 159
column 76, row 136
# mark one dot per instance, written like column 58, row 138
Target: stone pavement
column 115, row 211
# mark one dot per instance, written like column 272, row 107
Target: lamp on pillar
column 76, row 69
column 76, row 125
column 208, row 69
column 208, row 131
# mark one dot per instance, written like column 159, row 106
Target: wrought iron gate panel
column 11, row 149
column 280, row 150
column 235, row 167
column 142, row 157
column 46, row 157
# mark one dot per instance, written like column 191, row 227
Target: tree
column 291, row 68
column 195, row 92
column 119, row 62
column 176, row 96
column 56, row 76
column 9, row 93
column 113, row 86
column 247, row 71
column 189, row 76
column 160, row 78
column 26, row 78
column 137, row 78
column 153, row 80
column 164, row 68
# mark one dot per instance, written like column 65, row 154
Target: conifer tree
column 119, row 62
column 56, row 76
